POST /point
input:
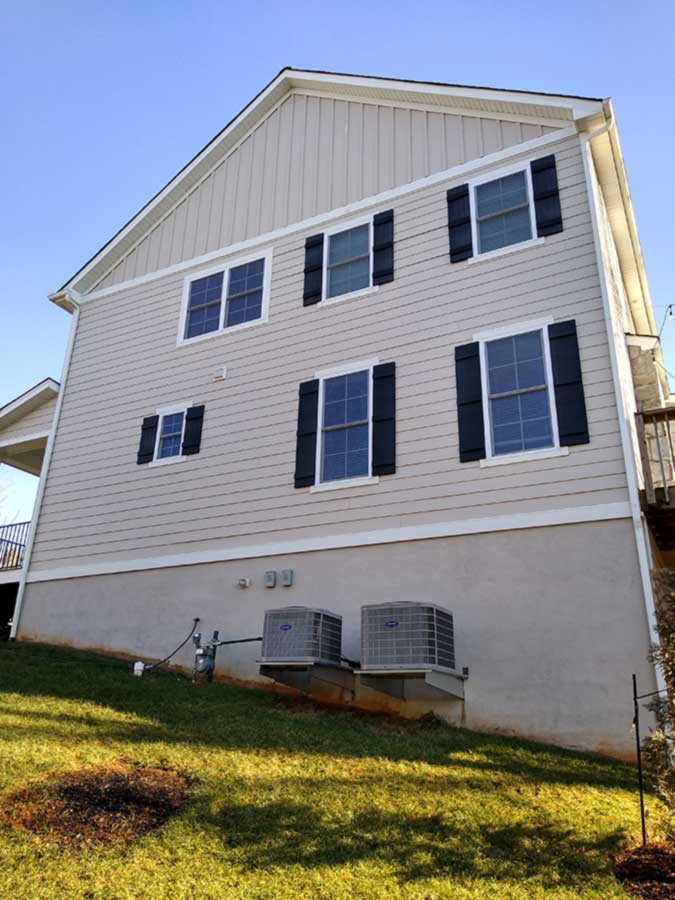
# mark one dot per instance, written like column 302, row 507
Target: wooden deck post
column 650, row 493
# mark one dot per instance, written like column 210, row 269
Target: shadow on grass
column 281, row 834
column 174, row 711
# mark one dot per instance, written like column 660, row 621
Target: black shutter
column 313, row 270
column 546, row 196
column 469, row 403
column 192, row 436
column 384, row 419
column 383, row 247
column 570, row 403
column 146, row 448
column 459, row 223
column 305, row 449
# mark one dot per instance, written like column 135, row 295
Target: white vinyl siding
column 98, row 505
column 310, row 155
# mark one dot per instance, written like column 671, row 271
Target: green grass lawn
column 295, row 802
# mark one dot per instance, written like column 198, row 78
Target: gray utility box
column 301, row 634
column 400, row 637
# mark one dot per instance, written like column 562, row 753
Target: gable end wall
column 312, row 154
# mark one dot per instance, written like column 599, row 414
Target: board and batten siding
column 311, row 155
column 37, row 421
column 100, row 506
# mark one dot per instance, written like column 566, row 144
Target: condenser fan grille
column 298, row 633
column 407, row 636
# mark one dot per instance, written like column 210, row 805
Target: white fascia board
column 579, row 107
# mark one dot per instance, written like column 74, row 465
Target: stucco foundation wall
column 550, row 621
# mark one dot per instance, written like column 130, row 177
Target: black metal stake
column 636, row 722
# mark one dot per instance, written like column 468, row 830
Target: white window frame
column 169, row 410
column 359, row 480
column 475, row 183
column 484, row 338
column 225, row 268
column 337, row 229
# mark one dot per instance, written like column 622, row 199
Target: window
column 234, row 297
column 503, row 212
column 204, row 305
column 518, row 393
column 348, row 261
column 173, row 433
column 170, row 435
column 345, row 429
column 346, row 434
column 245, row 293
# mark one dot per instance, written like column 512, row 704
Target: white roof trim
column 509, row 102
column 611, row 174
column 31, row 399
column 453, row 95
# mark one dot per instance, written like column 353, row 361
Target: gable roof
column 31, row 399
column 558, row 108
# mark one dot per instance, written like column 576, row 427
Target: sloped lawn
column 287, row 801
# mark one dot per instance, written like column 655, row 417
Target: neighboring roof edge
column 66, row 298
column 611, row 173
column 282, row 83
column 631, row 219
column 40, row 393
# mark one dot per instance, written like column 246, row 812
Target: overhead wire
column 667, row 315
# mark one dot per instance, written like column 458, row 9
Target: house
column 390, row 338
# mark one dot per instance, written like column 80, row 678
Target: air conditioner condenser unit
column 407, row 636
column 301, row 634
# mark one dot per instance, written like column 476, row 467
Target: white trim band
column 25, row 439
column 542, row 519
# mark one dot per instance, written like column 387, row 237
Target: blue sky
column 104, row 102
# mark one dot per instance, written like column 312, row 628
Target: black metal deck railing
column 13, row 539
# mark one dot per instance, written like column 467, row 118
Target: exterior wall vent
column 301, row 634
column 407, row 637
